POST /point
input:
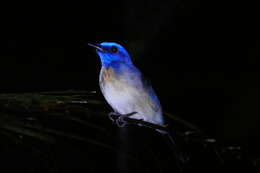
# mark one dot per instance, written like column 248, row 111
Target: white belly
column 124, row 99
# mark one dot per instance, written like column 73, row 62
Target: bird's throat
column 107, row 74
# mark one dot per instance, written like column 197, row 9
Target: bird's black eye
column 113, row 49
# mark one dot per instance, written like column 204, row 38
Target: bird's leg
column 119, row 118
column 113, row 116
column 120, row 121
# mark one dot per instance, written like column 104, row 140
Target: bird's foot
column 120, row 121
column 113, row 116
column 120, row 118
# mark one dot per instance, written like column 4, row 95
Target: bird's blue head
column 110, row 52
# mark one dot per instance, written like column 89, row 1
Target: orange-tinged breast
column 107, row 75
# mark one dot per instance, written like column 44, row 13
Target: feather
column 125, row 90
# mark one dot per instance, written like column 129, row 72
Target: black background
column 201, row 56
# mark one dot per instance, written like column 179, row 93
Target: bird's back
column 125, row 90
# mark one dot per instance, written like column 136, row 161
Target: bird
column 124, row 87
column 128, row 92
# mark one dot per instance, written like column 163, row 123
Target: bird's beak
column 97, row 46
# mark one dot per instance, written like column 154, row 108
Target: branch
column 140, row 122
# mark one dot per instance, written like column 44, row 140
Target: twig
column 140, row 122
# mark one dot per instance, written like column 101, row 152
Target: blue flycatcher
column 124, row 87
column 126, row 91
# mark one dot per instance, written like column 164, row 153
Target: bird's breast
column 125, row 94
column 109, row 78
column 107, row 74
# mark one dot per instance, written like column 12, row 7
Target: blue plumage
column 123, row 86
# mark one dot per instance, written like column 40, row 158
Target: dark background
column 201, row 56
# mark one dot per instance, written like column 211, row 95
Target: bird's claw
column 112, row 117
column 120, row 119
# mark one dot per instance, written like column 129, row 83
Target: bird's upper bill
column 97, row 46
